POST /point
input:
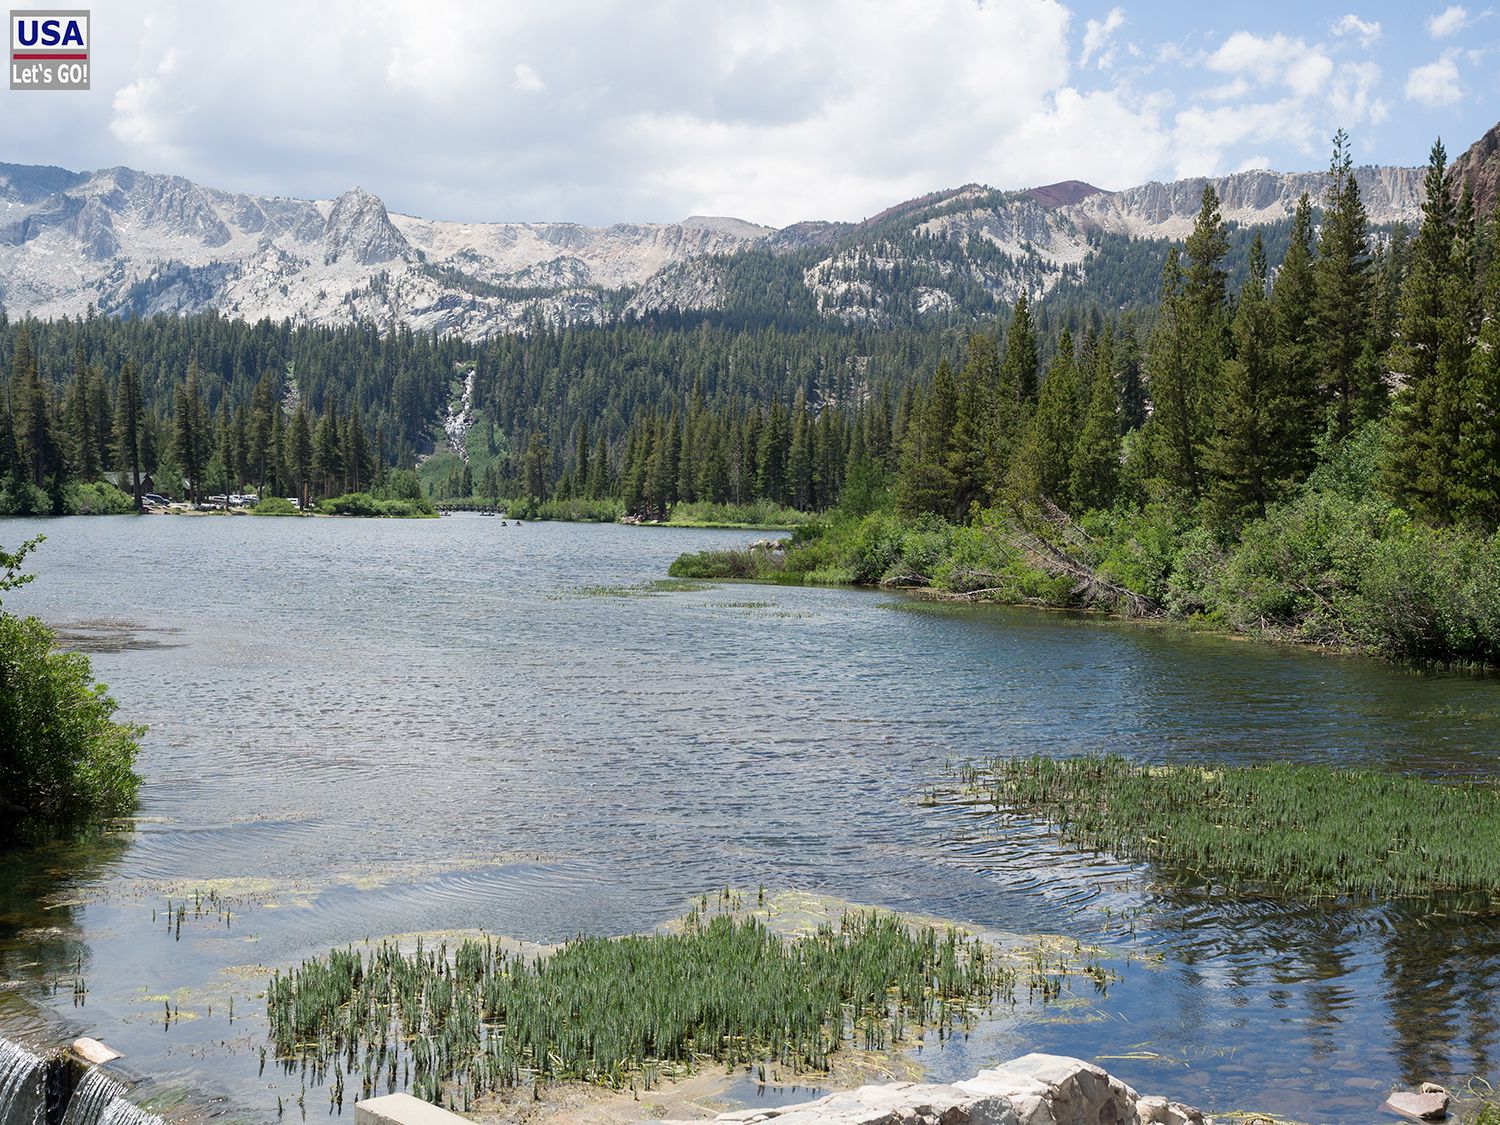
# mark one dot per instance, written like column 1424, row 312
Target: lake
column 362, row 728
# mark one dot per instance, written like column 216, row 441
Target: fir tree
column 1044, row 468
column 1478, row 468
column 1096, row 457
column 1342, row 299
column 128, row 430
column 1241, row 459
column 1295, row 356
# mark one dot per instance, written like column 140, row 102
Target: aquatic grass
column 639, row 590
column 1302, row 830
column 722, row 990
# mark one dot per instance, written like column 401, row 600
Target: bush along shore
column 1282, row 829
column 64, row 761
column 1336, row 565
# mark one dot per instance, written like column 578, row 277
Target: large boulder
column 1032, row 1090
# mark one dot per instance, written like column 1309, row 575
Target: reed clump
column 1303, row 830
column 458, row 1023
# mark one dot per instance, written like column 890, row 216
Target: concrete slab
column 403, row 1109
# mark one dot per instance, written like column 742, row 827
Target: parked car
column 155, row 501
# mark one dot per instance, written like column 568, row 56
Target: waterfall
column 93, row 1094
column 23, row 1086
column 98, row 1099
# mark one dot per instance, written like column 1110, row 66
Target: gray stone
column 1032, row 1090
column 1422, row 1107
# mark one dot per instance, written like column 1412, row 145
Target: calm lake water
column 362, row 728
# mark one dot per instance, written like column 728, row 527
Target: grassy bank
column 1293, row 829
column 1337, row 566
column 721, row 989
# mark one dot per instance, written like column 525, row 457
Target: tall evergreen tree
column 191, row 436
column 1342, row 298
column 1478, row 462
column 1295, row 355
column 1044, row 467
column 1241, row 457
column 1095, row 464
column 128, row 430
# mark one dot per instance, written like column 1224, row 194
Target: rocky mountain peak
column 359, row 230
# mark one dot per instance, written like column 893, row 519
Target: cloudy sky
column 608, row 110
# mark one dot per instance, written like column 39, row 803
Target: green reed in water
column 620, row 1011
column 1295, row 829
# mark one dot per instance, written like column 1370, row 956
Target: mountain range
column 130, row 242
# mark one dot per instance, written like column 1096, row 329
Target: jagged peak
column 359, row 227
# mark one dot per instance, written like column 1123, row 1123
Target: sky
column 602, row 111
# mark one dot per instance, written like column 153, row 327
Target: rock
column 1419, row 1106
column 1032, row 1090
column 94, row 1052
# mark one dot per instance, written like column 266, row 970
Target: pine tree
column 1342, row 299
column 926, row 481
column 190, row 435
column 128, row 429
column 1478, row 467
column 1431, row 351
column 1021, row 364
column 1295, row 357
column 327, row 460
column 1240, row 459
column 799, row 464
column 534, row 468
column 301, row 454
column 1175, row 418
column 1044, row 468
column 978, row 445
column 1095, row 467
column 80, row 417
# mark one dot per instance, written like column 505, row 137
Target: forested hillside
column 1315, row 455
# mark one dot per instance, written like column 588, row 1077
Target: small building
column 123, row 482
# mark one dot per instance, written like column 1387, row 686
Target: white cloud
column 1096, row 35
column 1366, row 31
column 1352, row 95
column 607, row 110
column 1449, row 21
column 1435, row 84
column 1273, row 60
column 527, row 80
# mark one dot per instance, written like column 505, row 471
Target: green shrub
column 364, row 504
column 728, row 564
column 63, row 759
column 22, row 498
column 98, row 498
column 758, row 514
column 275, row 506
column 577, row 510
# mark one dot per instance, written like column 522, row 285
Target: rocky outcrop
column 359, row 230
column 1032, row 1090
column 1167, row 210
column 1479, row 167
